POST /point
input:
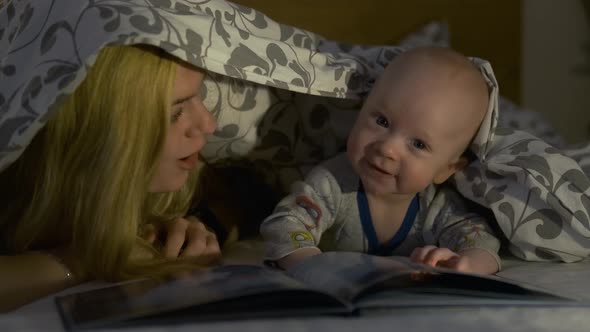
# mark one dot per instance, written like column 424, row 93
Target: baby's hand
column 297, row 256
column 472, row 260
column 443, row 257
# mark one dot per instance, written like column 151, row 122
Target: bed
column 299, row 98
column 568, row 279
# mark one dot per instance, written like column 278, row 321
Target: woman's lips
column 189, row 162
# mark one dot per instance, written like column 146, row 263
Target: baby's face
column 410, row 133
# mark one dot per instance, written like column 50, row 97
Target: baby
column 387, row 195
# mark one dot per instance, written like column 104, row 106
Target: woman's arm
column 28, row 277
column 31, row 276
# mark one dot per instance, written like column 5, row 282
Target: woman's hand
column 183, row 238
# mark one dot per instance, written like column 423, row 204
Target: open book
column 342, row 283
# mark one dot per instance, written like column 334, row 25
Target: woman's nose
column 203, row 122
column 208, row 122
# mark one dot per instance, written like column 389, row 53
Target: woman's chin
column 172, row 185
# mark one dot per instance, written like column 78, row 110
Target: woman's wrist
column 63, row 266
column 68, row 275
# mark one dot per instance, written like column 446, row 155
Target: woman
column 102, row 190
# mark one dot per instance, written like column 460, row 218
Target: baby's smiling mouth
column 378, row 169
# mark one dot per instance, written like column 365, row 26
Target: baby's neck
column 394, row 201
column 387, row 214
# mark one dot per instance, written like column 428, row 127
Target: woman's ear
column 451, row 169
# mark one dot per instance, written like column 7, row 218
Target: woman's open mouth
column 188, row 163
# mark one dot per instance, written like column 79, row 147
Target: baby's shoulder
column 446, row 201
column 437, row 197
column 337, row 171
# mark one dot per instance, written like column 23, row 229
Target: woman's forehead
column 188, row 79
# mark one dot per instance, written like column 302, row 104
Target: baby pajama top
column 329, row 210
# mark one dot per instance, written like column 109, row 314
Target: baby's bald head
column 449, row 78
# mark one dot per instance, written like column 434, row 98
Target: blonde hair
column 84, row 179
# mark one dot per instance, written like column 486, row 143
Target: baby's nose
column 390, row 148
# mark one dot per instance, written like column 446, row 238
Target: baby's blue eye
column 176, row 115
column 382, row 121
column 418, row 144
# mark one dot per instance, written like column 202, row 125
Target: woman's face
column 190, row 123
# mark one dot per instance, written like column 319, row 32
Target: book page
column 361, row 277
column 224, row 292
column 347, row 274
column 409, row 298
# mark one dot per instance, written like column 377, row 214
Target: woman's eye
column 382, row 121
column 418, row 144
column 176, row 115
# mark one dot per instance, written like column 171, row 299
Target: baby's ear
column 451, row 169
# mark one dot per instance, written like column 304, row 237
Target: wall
column 553, row 32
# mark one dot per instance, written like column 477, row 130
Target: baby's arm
column 292, row 233
column 297, row 256
column 463, row 237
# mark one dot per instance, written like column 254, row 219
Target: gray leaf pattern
column 65, row 74
column 576, row 179
column 544, row 202
column 8, row 70
column 12, row 125
column 583, row 218
column 276, row 55
column 219, row 28
column 142, row 23
column 495, row 195
column 33, row 89
column 10, row 12
column 507, row 210
column 243, row 57
column 25, row 18
column 535, row 163
column 304, row 77
column 551, row 223
column 49, row 37
column 228, row 131
column 479, row 189
column 586, row 204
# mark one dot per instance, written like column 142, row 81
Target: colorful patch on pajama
column 302, row 239
column 312, row 209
